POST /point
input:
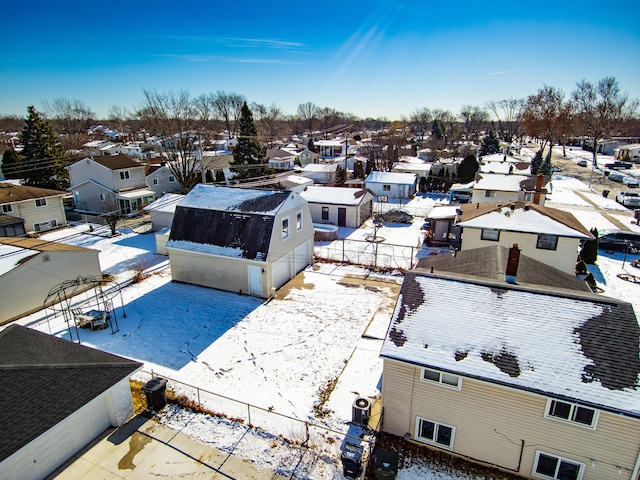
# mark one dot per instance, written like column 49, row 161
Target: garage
column 281, row 271
column 302, row 256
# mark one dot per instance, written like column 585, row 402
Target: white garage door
column 281, row 271
column 302, row 255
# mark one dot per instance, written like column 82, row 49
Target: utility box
column 361, row 411
column 156, row 392
column 351, row 460
column 385, row 464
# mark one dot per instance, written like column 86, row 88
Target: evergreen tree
column 545, row 168
column 341, row 175
column 490, row 144
column 358, row 170
column 248, row 152
column 311, row 146
column 468, row 168
column 11, row 163
column 589, row 250
column 536, row 163
column 42, row 154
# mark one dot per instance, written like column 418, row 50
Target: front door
column 255, row 280
column 342, row 217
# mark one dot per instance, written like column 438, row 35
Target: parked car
column 619, row 240
column 631, row 182
column 619, row 165
column 616, row 177
column 581, row 163
column 628, row 198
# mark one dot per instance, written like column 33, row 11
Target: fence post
column 198, row 393
column 343, row 240
column 375, row 260
column 249, row 413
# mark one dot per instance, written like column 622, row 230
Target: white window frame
column 325, row 213
column 285, row 228
column 433, row 442
column 560, row 460
column 37, row 226
column 7, row 208
column 125, row 175
column 441, row 379
column 155, row 181
column 572, row 414
column 299, row 220
column 40, row 202
column 487, row 233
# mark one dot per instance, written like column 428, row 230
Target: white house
column 37, row 209
column 391, row 185
column 240, row 240
column 344, row 207
column 63, row 395
column 629, row 153
column 495, row 187
column 161, row 180
column 323, row 173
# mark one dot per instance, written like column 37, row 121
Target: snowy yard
column 323, row 330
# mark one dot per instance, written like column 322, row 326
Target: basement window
column 434, row 433
column 556, row 468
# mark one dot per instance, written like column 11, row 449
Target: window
column 124, row 175
column 299, row 220
column 435, row 433
column 44, row 226
column 325, row 213
column 383, row 198
column 556, row 468
column 529, row 197
column 155, row 181
column 490, row 193
column 41, row 202
column 102, row 197
column 7, row 208
column 386, row 188
column 446, row 379
column 285, row 228
column 490, row 234
column 572, row 413
column 547, row 242
column 172, row 179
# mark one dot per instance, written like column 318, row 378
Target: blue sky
column 380, row 58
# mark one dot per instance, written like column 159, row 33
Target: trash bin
column 156, row 392
column 385, row 464
column 351, row 458
column 605, row 193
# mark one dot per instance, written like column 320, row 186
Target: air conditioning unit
column 361, row 411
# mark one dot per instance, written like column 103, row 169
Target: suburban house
column 495, row 187
column 31, row 267
column 390, row 185
column 330, row 148
column 103, row 184
column 629, row 153
column 537, row 381
column 545, row 234
column 280, row 159
column 344, row 207
column 441, row 228
column 323, row 173
column 295, row 183
column 504, row 164
column 306, row 157
column 412, row 165
column 240, row 240
column 161, row 180
column 162, row 210
column 40, row 209
column 60, row 397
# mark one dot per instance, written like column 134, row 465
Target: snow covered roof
column 334, row 195
column 579, row 347
column 166, row 203
column 234, row 199
column 519, row 168
column 506, row 183
column 522, row 217
column 392, row 177
column 320, row 167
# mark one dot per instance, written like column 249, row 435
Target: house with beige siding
column 40, row 209
column 240, row 240
column 102, row 184
column 344, row 207
column 30, row 268
column 545, row 234
column 540, row 382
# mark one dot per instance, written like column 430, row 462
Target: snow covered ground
column 323, row 331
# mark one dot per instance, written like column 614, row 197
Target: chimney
column 536, row 196
column 512, row 264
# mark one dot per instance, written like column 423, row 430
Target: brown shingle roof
column 10, row 192
column 37, row 244
column 117, row 162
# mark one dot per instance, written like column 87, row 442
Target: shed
column 344, row 207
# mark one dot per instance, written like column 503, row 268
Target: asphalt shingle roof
column 580, row 347
column 44, row 379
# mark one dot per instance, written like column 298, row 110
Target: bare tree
column 474, row 119
column 541, row 115
column 308, row 113
column 173, row 117
column 228, row 107
column 110, row 212
column 507, row 113
column 120, row 118
column 420, row 121
column 71, row 119
column 269, row 120
column 601, row 110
